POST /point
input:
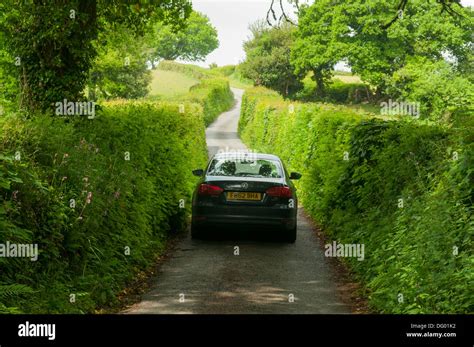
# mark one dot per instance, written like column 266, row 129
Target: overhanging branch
column 446, row 6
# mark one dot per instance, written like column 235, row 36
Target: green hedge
column 214, row 95
column 337, row 91
column 119, row 203
column 226, row 70
column 213, row 92
column 230, row 73
column 189, row 69
column 421, row 248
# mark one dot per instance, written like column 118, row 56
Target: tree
column 52, row 42
column 9, row 86
column 267, row 60
column 441, row 92
column 194, row 43
column 355, row 31
column 283, row 17
column 446, row 6
column 317, row 47
column 120, row 68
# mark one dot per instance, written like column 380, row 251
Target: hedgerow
column 214, row 95
column 402, row 188
column 337, row 91
column 213, row 92
column 99, row 197
column 189, row 69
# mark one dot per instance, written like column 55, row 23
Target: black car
column 251, row 191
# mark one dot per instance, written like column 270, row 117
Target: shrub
column 225, row 70
column 188, row 69
column 337, row 91
column 214, row 95
column 213, row 92
column 420, row 246
column 118, row 203
column 443, row 92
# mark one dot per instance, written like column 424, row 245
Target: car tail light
column 209, row 190
column 279, row 191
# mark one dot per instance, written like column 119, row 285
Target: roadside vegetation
column 98, row 192
column 212, row 92
column 170, row 84
column 98, row 196
column 417, row 59
column 386, row 150
column 401, row 188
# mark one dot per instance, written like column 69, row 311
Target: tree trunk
column 318, row 77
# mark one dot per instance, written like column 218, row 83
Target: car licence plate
column 244, row 196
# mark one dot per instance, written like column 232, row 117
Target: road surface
column 243, row 276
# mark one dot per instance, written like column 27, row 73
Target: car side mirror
column 198, row 172
column 295, row 176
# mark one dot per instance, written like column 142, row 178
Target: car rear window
column 260, row 168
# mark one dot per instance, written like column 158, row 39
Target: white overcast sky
column 232, row 18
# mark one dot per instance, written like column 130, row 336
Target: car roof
column 243, row 154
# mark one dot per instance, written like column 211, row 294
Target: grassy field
column 347, row 78
column 170, row 83
column 236, row 81
column 167, row 83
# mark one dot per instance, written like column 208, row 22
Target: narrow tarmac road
column 265, row 277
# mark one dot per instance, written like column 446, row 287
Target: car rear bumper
column 285, row 220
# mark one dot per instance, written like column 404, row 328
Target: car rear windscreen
column 260, row 168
